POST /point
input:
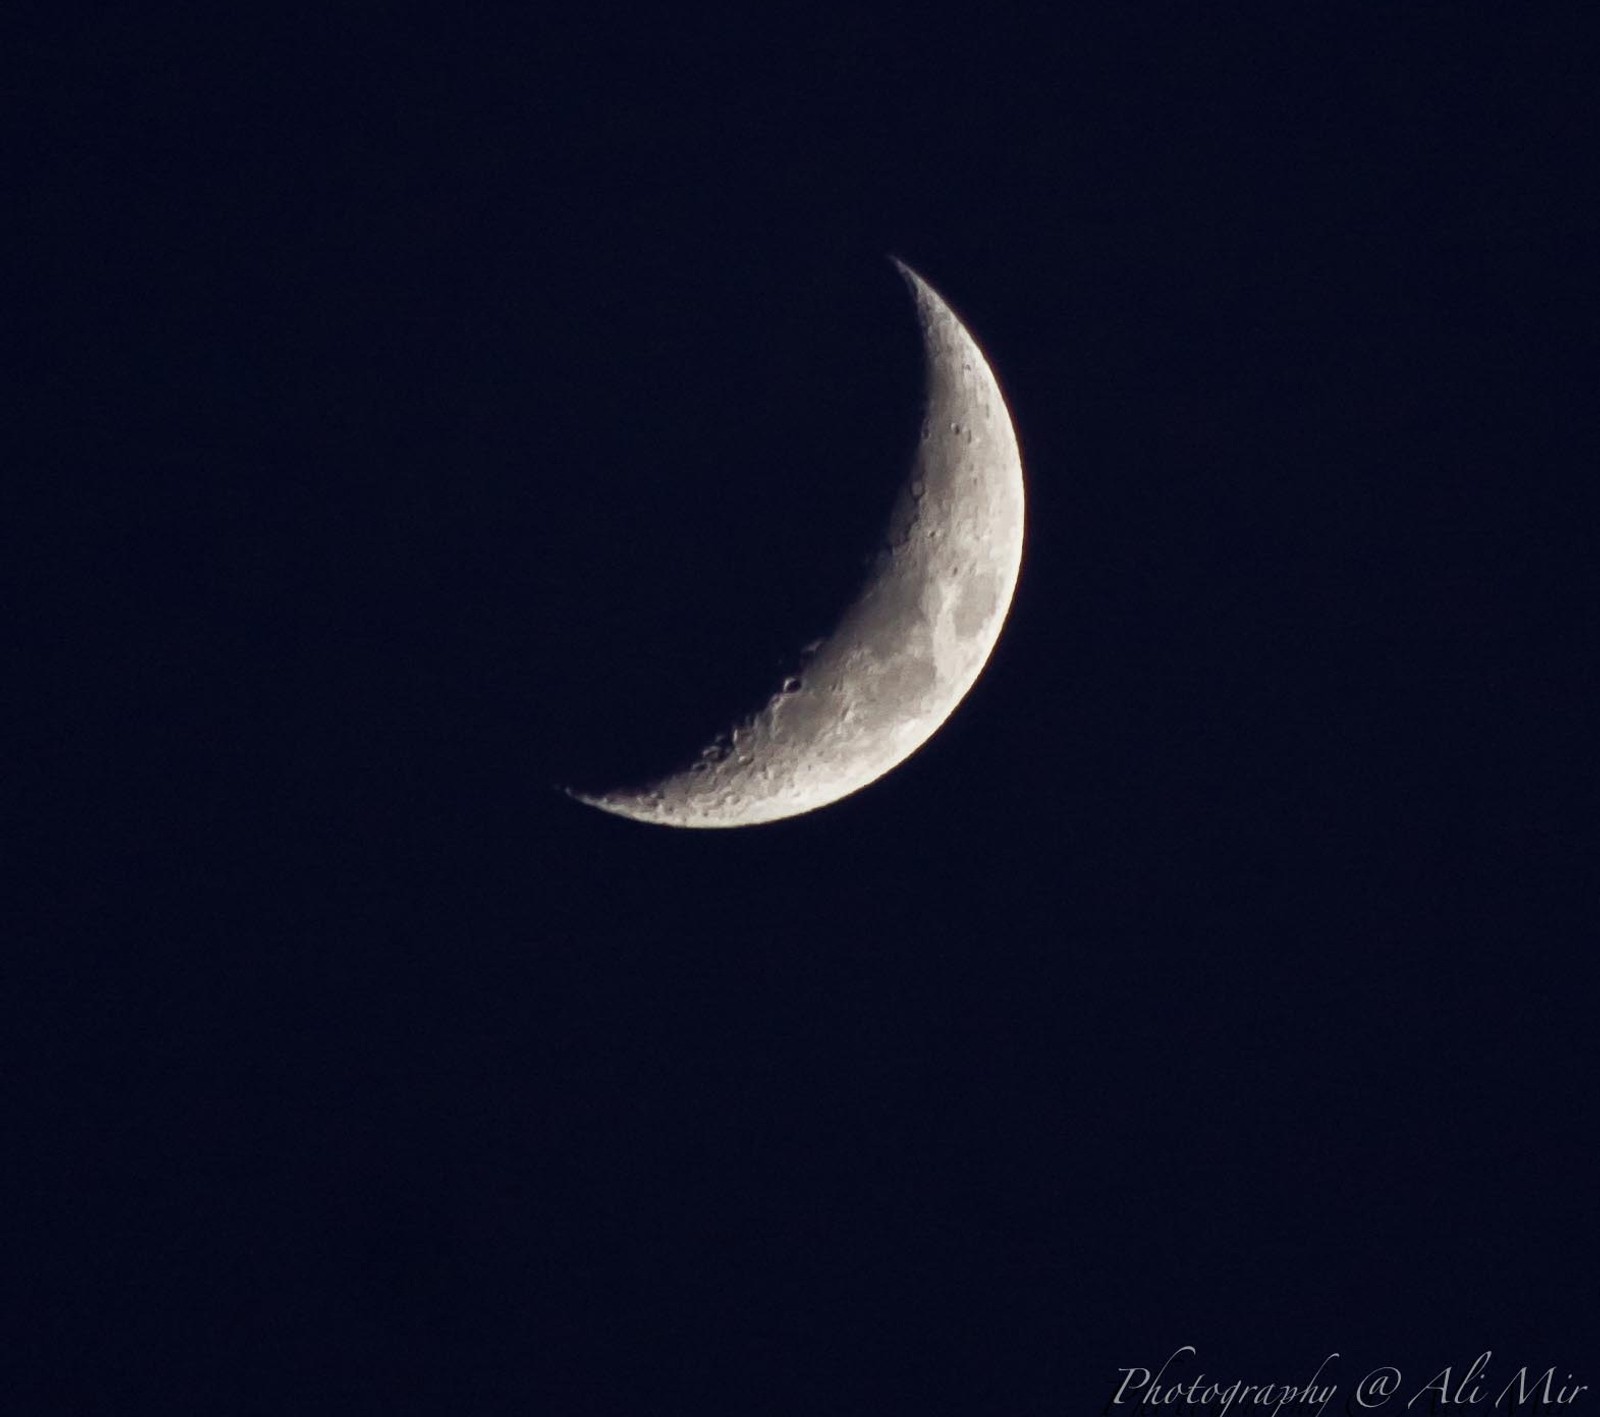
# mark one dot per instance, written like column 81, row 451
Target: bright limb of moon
column 914, row 641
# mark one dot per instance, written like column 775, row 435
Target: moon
column 914, row 641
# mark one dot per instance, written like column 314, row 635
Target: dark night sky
column 422, row 411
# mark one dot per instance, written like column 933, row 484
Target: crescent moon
column 914, row 641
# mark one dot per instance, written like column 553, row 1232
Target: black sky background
column 420, row 412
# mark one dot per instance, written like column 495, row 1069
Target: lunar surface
column 914, row 641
